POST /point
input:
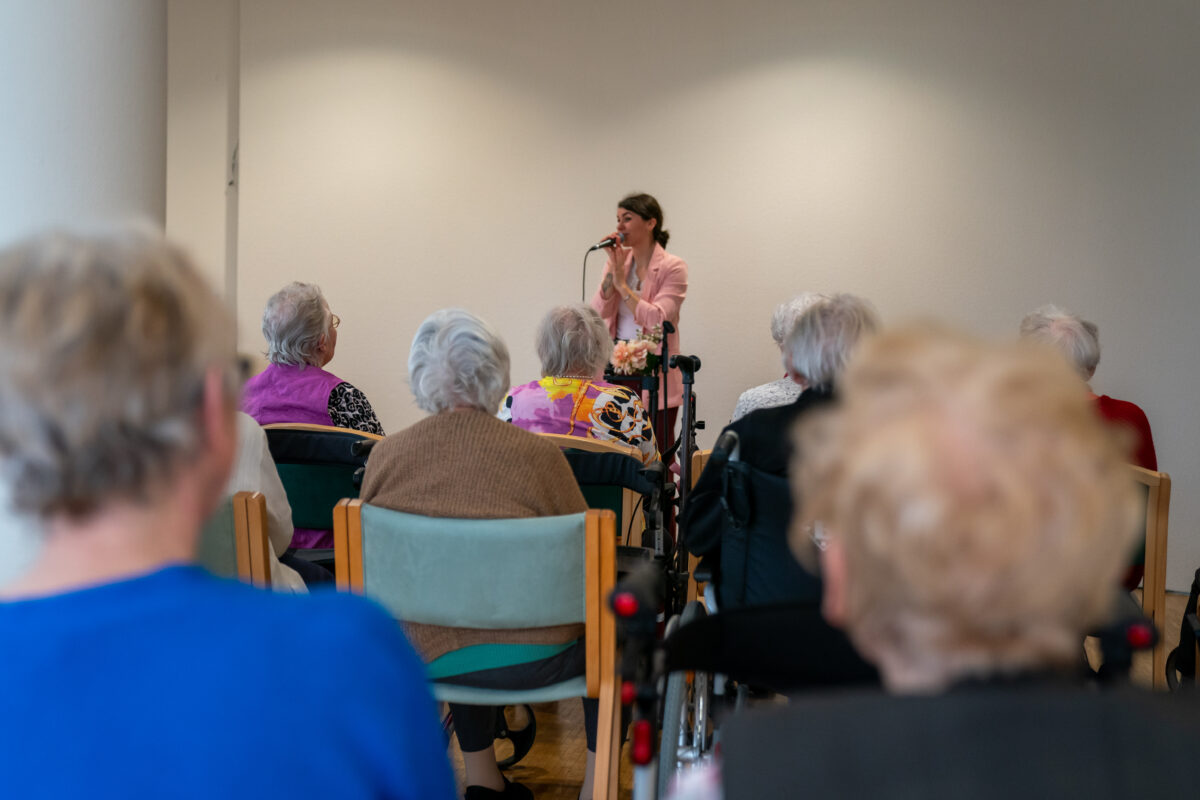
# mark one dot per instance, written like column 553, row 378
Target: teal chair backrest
column 217, row 550
column 475, row 573
column 610, row 497
column 317, row 470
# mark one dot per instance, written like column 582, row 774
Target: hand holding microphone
column 616, row 260
column 609, row 242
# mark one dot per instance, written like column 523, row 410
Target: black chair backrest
column 602, row 477
column 1014, row 739
column 317, row 468
column 757, row 566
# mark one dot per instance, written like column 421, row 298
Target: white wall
column 203, row 79
column 967, row 161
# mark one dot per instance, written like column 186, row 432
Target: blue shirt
column 180, row 684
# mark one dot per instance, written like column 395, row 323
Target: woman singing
column 644, row 285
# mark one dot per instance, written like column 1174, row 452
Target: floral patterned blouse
column 583, row 408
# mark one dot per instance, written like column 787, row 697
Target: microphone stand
column 688, row 367
column 664, row 364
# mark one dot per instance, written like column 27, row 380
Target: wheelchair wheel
column 685, row 734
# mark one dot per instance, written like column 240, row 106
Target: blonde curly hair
column 980, row 505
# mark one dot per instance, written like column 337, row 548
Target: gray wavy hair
column 573, row 340
column 457, row 360
column 1070, row 334
column 786, row 314
column 295, row 319
column 106, row 342
column 825, row 335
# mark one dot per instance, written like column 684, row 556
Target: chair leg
column 608, row 743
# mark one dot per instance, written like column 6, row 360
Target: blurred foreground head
column 114, row 356
column 977, row 510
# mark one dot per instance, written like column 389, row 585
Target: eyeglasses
column 335, row 320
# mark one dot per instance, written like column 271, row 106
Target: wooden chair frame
column 306, row 426
column 1154, row 584
column 699, row 462
column 253, row 544
column 600, row 625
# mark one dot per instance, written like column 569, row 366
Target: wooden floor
column 553, row 769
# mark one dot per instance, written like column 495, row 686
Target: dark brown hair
column 646, row 207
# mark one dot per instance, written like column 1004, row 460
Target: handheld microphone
column 609, row 242
column 689, row 364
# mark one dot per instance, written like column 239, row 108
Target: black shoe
column 512, row 791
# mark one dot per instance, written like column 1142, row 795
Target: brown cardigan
column 470, row 465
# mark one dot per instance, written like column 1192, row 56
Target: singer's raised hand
column 615, row 267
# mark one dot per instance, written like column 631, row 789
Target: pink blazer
column 661, row 296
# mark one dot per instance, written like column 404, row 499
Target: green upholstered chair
column 622, row 501
column 441, row 571
column 234, row 544
column 316, row 464
column 1155, row 488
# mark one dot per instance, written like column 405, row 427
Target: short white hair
column 295, row 319
column 1072, row 335
column 786, row 314
column 457, row 360
column 573, row 340
column 825, row 335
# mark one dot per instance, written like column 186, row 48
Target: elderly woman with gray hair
column 480, row 468
column 1079, row 342
column 118, row 384
column 784, row 390
column 814, row 354
column 570, row 398
column 301, row 334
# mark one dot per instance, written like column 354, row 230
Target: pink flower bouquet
column 637, row 356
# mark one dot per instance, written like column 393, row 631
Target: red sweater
column 1130, row 416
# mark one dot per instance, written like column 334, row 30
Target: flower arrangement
column 638, row 356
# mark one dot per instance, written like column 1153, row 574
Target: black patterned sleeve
column 349, row 408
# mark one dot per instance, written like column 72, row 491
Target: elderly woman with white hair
column 814, row 353
column 1079, row 342
column 118, row 384
column 571, row 398
column 302, row 334
column 784, row 390
column 481, row 467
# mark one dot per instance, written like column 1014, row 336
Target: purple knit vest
column 286, row 393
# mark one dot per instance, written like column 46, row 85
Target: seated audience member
column 572, row 398
column 301, row 336
column 977, row 514
column 129, row 671
column 1079, row 341
column 785, row 390
column 463, row 462
column 814, row 353
column 254, row 471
